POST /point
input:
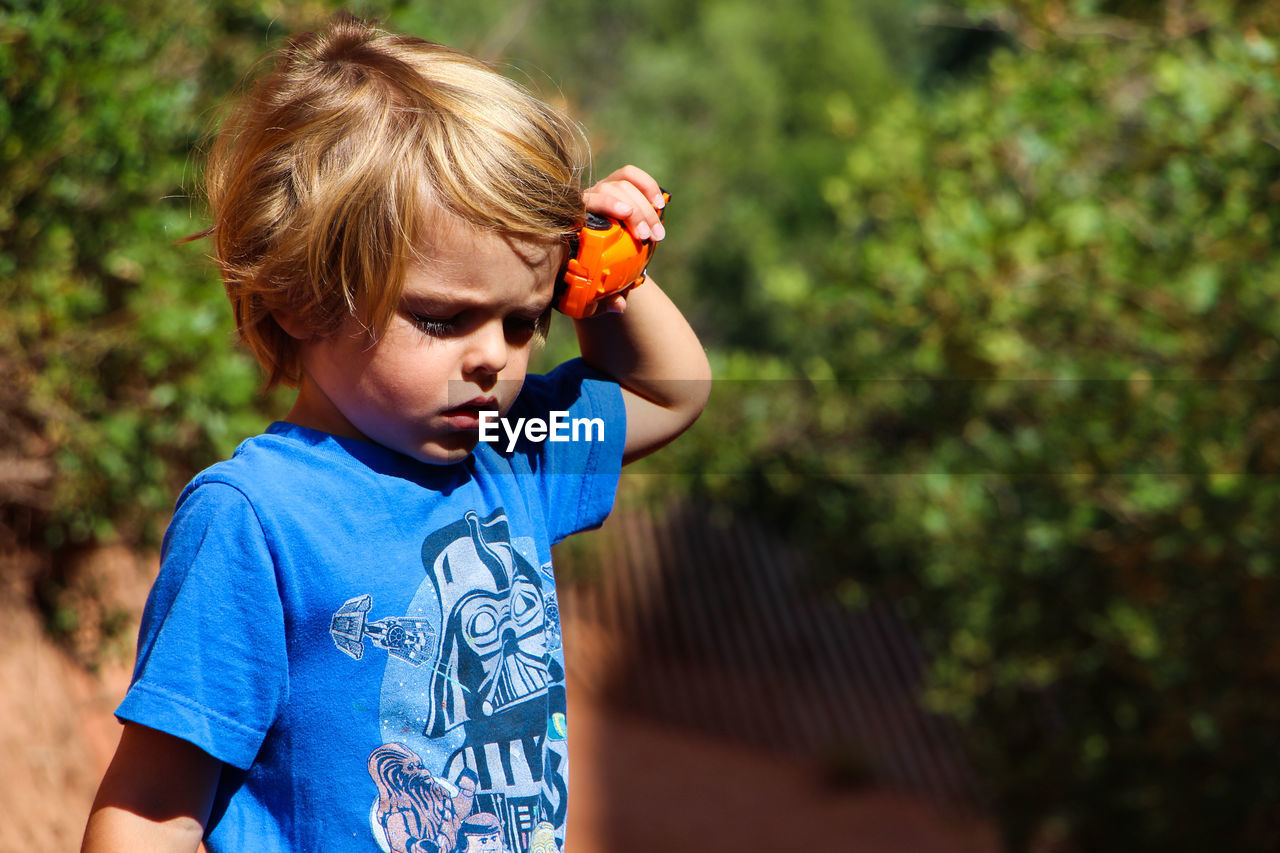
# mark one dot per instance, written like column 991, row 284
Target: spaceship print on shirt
column 412, row 640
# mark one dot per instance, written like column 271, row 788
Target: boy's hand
column 633, row 197
column 650, row 350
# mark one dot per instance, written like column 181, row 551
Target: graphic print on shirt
column 409, row 639
column 472, row 707
column 414, row 809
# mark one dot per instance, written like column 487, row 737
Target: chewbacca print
column 416, row 811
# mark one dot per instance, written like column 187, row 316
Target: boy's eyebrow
column 453, row 304
column 542, row 305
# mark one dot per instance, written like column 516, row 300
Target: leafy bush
column 116, row 342
column 1032, row 393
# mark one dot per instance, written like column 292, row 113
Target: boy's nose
column 487, row 351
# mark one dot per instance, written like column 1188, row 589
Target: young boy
column 354, row 642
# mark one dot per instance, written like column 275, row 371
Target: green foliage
column 1031, row 392
column 738, row 108
column 116, row 340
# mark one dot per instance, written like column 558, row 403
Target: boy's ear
column 292, row 324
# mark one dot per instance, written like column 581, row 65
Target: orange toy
column 604, row 260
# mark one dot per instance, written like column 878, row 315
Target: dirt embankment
column 56, row 700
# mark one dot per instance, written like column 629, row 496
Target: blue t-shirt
column 371, row 644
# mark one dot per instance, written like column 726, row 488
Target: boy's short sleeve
column 579, row 475
column 212, row 666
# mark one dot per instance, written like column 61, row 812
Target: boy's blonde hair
column 327, row 177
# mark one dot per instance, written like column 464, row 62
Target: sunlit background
column 979, row 531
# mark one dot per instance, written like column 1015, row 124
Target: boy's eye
column 434, row 326
column 522, row 327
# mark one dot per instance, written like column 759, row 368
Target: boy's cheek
column 509, row 393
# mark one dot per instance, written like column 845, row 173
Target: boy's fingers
column 643, row 181
column 631, row 195
column 644, row 221
column 597, row 200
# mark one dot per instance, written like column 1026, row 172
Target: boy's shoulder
column 571, row 384
column 281, row 448
column 287, row 459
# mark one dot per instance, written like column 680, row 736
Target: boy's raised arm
column 642, row 340
column 155, row 795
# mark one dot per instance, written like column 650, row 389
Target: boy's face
column 458, row 344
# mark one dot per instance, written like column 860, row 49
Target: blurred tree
column 738, row 106
column 1031, row 391
column 114, row 340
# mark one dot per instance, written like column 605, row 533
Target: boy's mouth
column 467, row 415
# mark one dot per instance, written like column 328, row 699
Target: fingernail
column 659, row 202
column 642, row 231
column 659, row 232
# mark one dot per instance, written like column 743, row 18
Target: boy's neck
column 313, row 409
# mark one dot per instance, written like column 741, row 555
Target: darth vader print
column 495, row 671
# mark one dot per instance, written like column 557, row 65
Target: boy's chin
column 449, row 449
